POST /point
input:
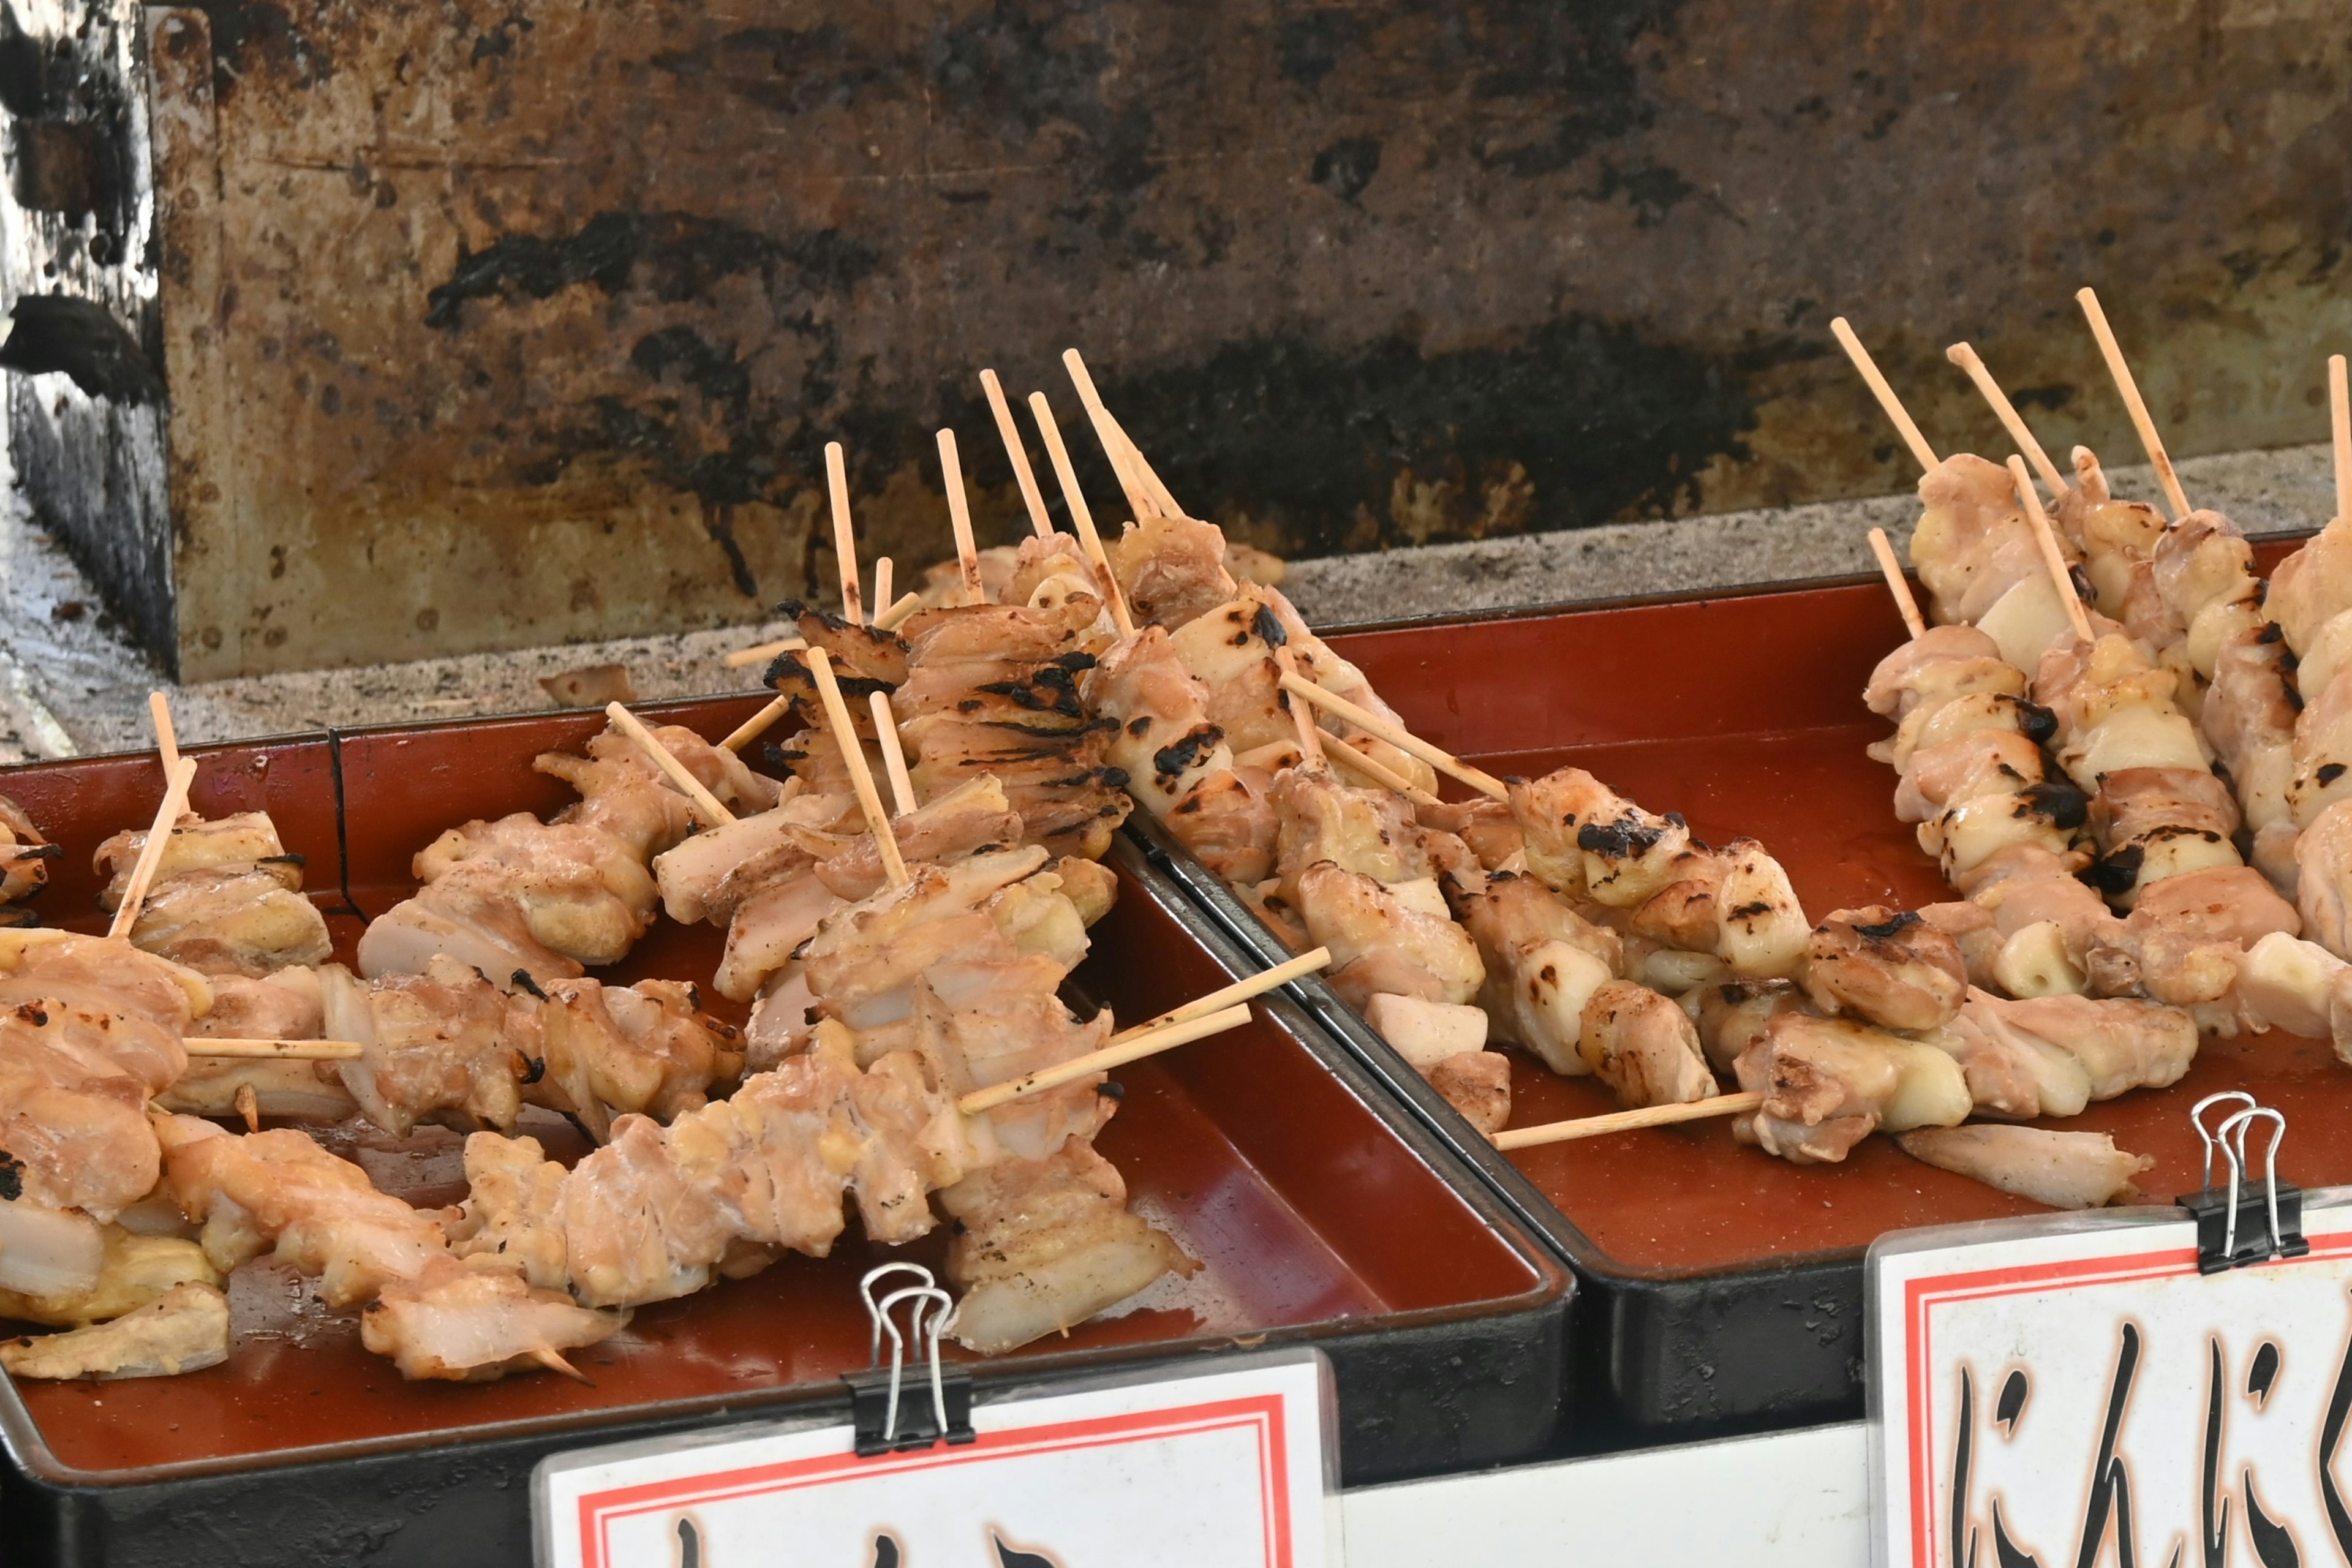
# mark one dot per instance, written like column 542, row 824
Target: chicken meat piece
column 1478, row 1085
column 1886, row 967
column 1172, row 570
column 470, row 917
column 471, row 1325
column 2114, row 1044
column 1321, row 818
column 1643, row 1045
column 1166, row 743
column 2182, row 941
column 238, row 843
column 183, row 1329
column 435, row 1046
column 228, row 921
column 2063, row 1169
column 710, row 875
column 1830, row 1082
column 1735, row 1015
column 513, row 1192
column 1487, row 826
column 1041, row 1246
column 133, row 1270
column 1941, row 663
column 1379, row 943
column 1972, row 543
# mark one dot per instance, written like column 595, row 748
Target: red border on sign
column 1922, row 1295
column 1261, row 1413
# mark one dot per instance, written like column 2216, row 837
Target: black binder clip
column 883, row 1421
column 2239, row 1226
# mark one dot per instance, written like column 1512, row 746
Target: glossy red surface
column 1305, row 1207
column 1744, row 713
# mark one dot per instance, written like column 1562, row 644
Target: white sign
column 2072, row 1391
column 1223, row 1468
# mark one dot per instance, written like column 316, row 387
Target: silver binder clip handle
column 2197, row 1119
column 875, row 1313
column 2237, row 1157
column 941, row 1308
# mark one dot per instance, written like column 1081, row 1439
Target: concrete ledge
column 71, row 683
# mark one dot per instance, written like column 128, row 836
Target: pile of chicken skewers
column 2126, row 795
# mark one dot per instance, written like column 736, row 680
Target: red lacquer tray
column 1724, row 1287
column 1323, row 1213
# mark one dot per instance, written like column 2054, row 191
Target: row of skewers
column 906, row 1039
column 902, row 958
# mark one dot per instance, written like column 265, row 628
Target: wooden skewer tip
column 1396, row 735
column 1905, row 426
column 752, row 729
column 2061, row 579
column 861, row 777
column 714, row 814
column 1897, row 584
column 1633, row 1121
column 1033, row 499
column 2128, row 386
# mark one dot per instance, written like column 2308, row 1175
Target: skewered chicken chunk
column 226, row 898
column 1829, row 1083
column 1172, row 570
column 545, row 898
column 1887, row 968
column 279, row 1192
column 1041, row 1246
column 25, row 857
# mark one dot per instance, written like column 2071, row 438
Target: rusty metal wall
column 78, row 282
column 494, row 321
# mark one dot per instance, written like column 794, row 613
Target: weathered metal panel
column 84, row 399
column 528, row 320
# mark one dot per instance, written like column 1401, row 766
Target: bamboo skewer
column 960, row 519
column 882, row 569
column 1379, row 774
column 1144, row 1045
column 1896, row 411
column 2339, row 422
column 861, row 777
column 176, row 780
column 760, row 653
column 553, row 1359
column 167, row 739
column 1897, row 584
column 1023, row 473
column 1257, row 985
column 2134, row 404
column 705, row 803
column 1398, row 736
column 899, row 614
column 276, row 1050
column 1042, row 413
column 2011, row 420
column 1114, row 440
column 894, row 754
column 1153, row 484
column 2060, row 578
column 752, row 729
column 248, row 1107
column 845, row 540
column 1631, row 1121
